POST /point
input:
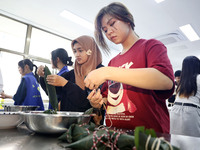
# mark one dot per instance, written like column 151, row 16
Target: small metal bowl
column 10, row 119
column 40, row 122
column 16, row 108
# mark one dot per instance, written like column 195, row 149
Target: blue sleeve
column 20, row 94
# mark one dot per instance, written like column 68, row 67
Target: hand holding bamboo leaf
column 51, row 90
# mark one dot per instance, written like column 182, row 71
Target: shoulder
column 23, row 79
column 150, row 42
column 155, row 46
column 198, row 78
column 23, row 82
column 71, row 72
column 29, row 77
column 69, row 75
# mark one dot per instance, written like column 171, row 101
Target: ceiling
column 161, row 21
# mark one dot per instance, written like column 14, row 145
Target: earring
column 89, row 52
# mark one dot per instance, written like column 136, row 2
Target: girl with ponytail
column 28, row 92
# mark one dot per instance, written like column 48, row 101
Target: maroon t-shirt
column 130, row 106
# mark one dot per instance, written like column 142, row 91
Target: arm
column 71, row 91
column 21, row 93
column 153, row 73
column 146, row 78
column 61, row 80
column 4, row 95
column 56, row 80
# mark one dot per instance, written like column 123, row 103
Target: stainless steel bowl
column 10, row 119
column 15, row 108
column 40, row 122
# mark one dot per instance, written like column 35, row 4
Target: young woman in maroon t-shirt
column 137, row 81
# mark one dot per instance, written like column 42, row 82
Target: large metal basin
column 15, row 108
column 40, row 122
column 10, row 119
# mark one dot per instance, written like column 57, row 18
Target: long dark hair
column 116, row 10
column 190, row 70
column 28, row 62
column 62, row 55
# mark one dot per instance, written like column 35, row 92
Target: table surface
column 22, row 138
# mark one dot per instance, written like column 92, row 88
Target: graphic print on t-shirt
column 118, row 100
column 115, row 94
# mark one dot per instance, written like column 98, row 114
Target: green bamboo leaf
column 89, row 111
column 136, row 134
column 77, row 132
column 51, row 90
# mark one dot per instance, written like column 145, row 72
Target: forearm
column 64, row 83
column 146, row 78
column 56, row 80
column 21, row 93
column 7, row 96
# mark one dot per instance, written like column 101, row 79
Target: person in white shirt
column 184, row 115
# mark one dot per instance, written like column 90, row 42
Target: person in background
column 138, row 80
column 177, row 75
column 184, row 115
column 171, row 100
column 87, row 58
column 59, row 60
column 1, row 89
column 28, row 92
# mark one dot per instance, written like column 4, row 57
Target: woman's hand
column 2, row 95
column 40, row 71
column 95, row 78
column 56, row 80
column 95, row 98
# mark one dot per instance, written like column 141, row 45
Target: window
column 10, row 73
column 12, row 34
column 42, row 43
column 12, row 45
